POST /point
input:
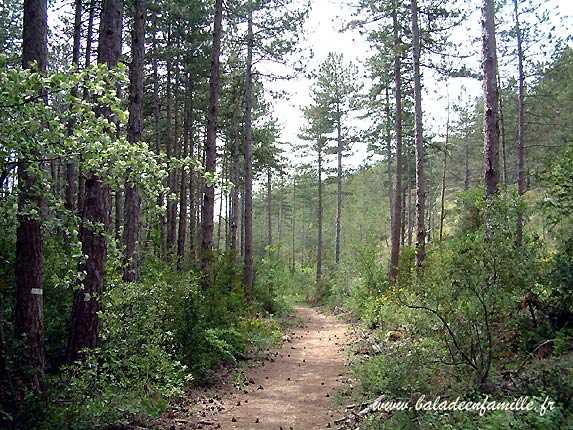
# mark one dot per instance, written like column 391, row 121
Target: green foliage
column 455, row 323
column 135, row 373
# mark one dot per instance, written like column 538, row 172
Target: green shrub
column 135, row 372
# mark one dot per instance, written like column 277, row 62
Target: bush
column 135, row 372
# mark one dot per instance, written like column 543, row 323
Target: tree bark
column 396, row 227
column 491, row 103
column 29, row 275
column 157, row 131
column 389, row 157
column 248, row 194
column 71, row 166
column 339, row 183
column 87, row 63
column 467, row 165
column 171, row 175
column 410, row 212
column 208, row 204
column 84, row 327
column 443, row 189
column 182, row 231
column 235, row 191
column 520, row 127
column 504, row 177
column 293, row 221
column 132, row 207
column 319, row 225
column 269, row 207
column 420, row 180
column 118, row 210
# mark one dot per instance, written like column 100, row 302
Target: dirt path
column 294, row 389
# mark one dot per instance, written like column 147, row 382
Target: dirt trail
column 294, row 389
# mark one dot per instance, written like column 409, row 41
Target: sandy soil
column 293, row 389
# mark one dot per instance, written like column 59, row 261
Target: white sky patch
column 323, row 35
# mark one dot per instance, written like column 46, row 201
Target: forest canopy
column 158, row 220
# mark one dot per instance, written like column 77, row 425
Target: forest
column 161, row 222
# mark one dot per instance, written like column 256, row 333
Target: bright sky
column 323, row 36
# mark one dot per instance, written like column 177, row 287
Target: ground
column 294, row 388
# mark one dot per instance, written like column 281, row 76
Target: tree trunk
column 443, row 189
column 280, row 225
column 132, row 226
column 430, row 200
column 171, row 175
column 404, row 220
column 192, row 199
column 339, row 183
column 396, row 227
column 420, row 180
column 520, row 127
column 208, row 204
column 221, row 199
column 491, row 103
column 84, row 327
column 303, row 237
column 269, row 207
column 71, row 166
column 29, row 275
column 293, row 221
column 118, row 210
column 182, row 231
column 87, row 62
column 157, row 131
column 389, row 157
column 504, row 177
column 467, row 165
column 235, row 191
column 410, row 212
column 248, row 195
column 319, row 225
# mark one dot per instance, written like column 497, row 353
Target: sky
column 323, row 36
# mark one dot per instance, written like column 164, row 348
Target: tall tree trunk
column 71, row 166
column 467, row 165
column 389, row 157
column 248, row 195
column 396, row 227
column 132, row 208
column 339, row 183
column 293, row 221
column 87, row 63
column 182, row 231
column 235, row 191
column 192, row 197
column 84, row 327
column 520, row 127
column 319, row 225
column 430, row 206
column 443, row 189
column 491, row 103
column 410, row 212
column 504, row 177
column 280, row 225
column 269, row 207
column 118, row 211
column 157, row 132
column 208, row 204
column 404, row 212
column 29, row 275
column 303, row 237
column 420, row 180
column 221, row 199
column 171, row 176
